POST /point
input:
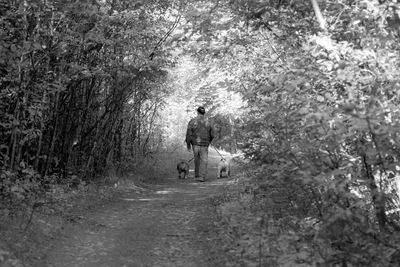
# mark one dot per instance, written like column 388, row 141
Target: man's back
column 199, row 131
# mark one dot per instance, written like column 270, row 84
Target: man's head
column 201, row 110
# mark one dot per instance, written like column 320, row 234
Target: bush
column 257, row 233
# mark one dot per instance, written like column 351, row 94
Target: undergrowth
column 34, row 213
column 261, row 228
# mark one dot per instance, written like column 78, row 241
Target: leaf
column 320, row 98
column 37, row 46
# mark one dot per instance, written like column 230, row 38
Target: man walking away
column 199, row 135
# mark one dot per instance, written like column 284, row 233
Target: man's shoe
column 200, row 179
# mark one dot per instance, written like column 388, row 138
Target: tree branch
column 167, row 34
column 318, row 14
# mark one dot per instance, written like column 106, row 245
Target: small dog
column 224, row 166
column 183, row 169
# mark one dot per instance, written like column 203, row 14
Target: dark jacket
column 199, row 132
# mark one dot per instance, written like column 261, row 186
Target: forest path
column 170, row 225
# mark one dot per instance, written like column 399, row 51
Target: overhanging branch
column 167, row 34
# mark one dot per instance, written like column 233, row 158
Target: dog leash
column 218, row 152
column 190, row 159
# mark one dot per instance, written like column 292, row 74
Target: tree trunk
column 40, row 143
column 53, row 136
column 378, row 198
column 233, row 145
column 150, row 130
column 318, row 14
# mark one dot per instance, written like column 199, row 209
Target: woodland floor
column 169, row 224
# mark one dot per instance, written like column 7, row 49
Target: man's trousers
column 200, row 161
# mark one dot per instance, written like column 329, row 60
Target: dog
column 224, row 166
column 183, row 169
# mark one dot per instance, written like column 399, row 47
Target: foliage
column 327, row 121
column 30, row 224
column 77, row 84
column 259, row 230
column 322, row 110
column 80, row 98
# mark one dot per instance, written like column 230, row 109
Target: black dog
column 183, row 169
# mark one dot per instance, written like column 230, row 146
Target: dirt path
column 170, row 225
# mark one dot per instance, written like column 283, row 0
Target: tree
column 70, row 71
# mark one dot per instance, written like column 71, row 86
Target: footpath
column 172, row 224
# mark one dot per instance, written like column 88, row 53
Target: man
column 199, row 135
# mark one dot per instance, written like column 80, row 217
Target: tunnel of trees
column 307, row 90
